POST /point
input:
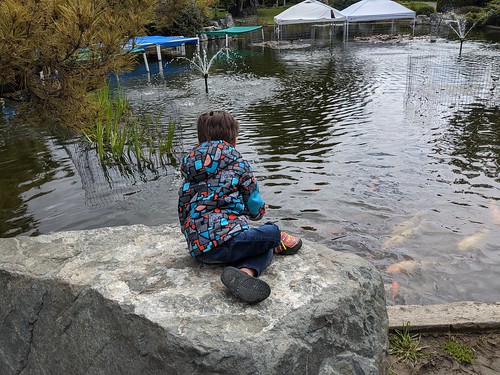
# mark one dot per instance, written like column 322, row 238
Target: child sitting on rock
column 218, row 197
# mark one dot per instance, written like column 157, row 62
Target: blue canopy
column 140, row 43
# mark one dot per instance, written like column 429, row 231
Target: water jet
column 203, row 64
column 459, row 25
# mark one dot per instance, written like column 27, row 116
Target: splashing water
column 203, row 64
column 459, row 25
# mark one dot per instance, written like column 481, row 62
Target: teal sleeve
column 255, row 203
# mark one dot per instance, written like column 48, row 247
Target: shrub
column 444, row 6
column 490, row 15
column 180, row 17
column 188, row 21
column 419, row 8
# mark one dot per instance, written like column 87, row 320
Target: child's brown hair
column 217, row 125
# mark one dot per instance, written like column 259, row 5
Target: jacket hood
column 207, row 159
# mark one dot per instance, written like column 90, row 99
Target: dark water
column 389, row 151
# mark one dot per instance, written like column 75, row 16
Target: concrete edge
column 458, row 316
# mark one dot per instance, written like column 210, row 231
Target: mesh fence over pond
column 448, row 82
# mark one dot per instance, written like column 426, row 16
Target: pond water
column 389, row 151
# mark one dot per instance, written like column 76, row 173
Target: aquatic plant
column 120, row 137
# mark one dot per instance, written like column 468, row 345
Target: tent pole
column 227, row 41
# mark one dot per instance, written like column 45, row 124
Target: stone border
column 458, row 316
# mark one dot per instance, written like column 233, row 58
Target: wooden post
column 146, row 61
column 158, row 52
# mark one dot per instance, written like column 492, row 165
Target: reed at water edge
column 122, row 138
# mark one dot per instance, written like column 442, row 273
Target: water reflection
column 28, row 168
column 387, row 151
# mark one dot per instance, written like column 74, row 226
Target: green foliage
column 405, row 345
column 419, row 7
column 219, row 13
column 444, row 6
column 120, row 138
column 182, row 17
column 224, row 4
column 265, row 16
column 462, row 353
column 490, row 15
column 188, row 21
column 54, row 52
column 479, row 11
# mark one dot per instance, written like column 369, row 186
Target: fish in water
column 402, row 231
column 472, row 241
column 405, row 267
column 374, row 184
column 394, row 289
column 494, row 212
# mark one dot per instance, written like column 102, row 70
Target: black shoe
column 247, row 288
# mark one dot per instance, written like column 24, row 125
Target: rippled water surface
column 389, row 151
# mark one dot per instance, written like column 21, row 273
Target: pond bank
column 457, row 316
column 472, row 328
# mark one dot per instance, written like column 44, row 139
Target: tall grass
column 120, row 137
column 405, row 345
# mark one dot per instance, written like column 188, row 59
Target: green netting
column 232, row 30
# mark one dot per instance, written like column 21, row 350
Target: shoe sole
column 247, row 288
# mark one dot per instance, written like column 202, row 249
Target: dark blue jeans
column 252, row 248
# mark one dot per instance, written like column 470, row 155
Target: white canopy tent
column 376, row 10
column 308, row 11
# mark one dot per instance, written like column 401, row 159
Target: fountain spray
column 459, row 25
column 203, row 64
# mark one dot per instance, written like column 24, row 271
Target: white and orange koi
column 473, row 240
column 494, row 212
column 401, row 232
column 394, row 290
column 405, row 267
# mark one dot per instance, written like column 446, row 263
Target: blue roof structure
column 140, row 43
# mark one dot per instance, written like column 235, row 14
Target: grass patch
column 265, row 15
column 405, row 346
column 462, row 353
column 219, row 13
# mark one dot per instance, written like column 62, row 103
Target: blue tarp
column 140, row 43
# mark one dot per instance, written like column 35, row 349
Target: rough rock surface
column 130, row 300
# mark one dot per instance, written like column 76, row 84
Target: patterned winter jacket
column 218, row 196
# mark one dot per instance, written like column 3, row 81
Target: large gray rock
column 130, row 300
